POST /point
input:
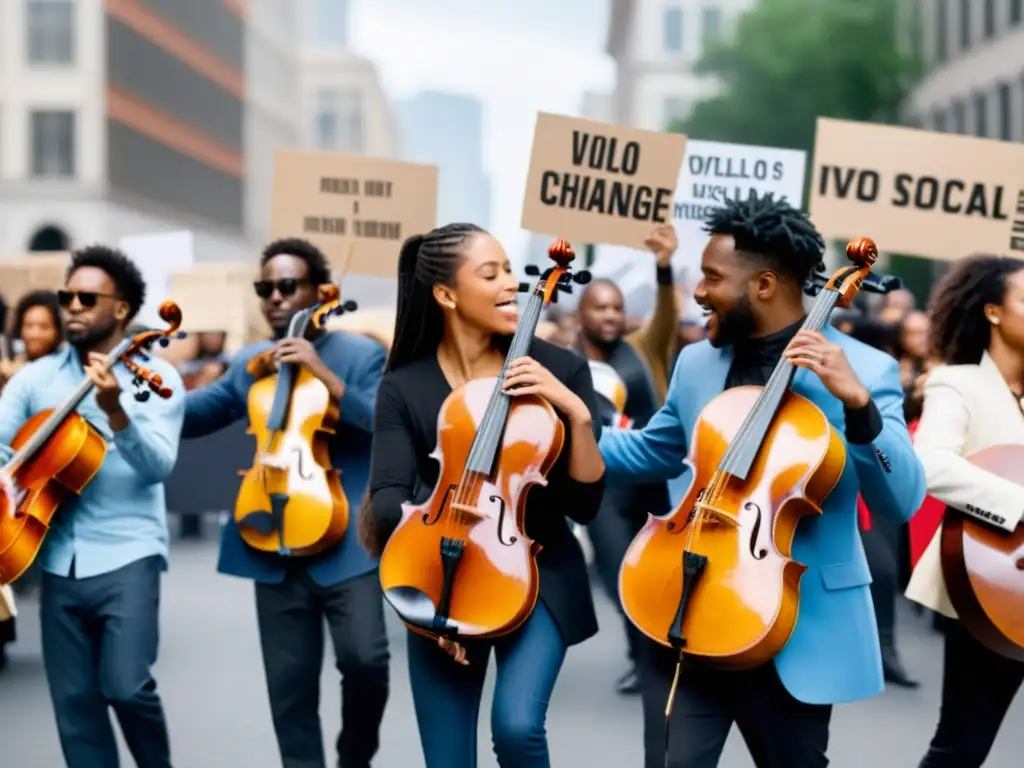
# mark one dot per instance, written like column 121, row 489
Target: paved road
column 210, row 676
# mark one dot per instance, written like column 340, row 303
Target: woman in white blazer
column 971, row 402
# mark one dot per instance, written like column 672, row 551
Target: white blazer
column 7, row 607
column 967, row 408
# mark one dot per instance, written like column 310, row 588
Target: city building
column 655, row 44
column 326, row 23
column 343, row 106
column 119, row 117
column 454, row 143
column 973, row 56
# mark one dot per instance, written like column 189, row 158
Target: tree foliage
column 790, row 61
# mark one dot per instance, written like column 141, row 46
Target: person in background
column 641, row 359
column 36, row 329
column 971, row 402
column 882, row 538
column 209, row 362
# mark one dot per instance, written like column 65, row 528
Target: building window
column 939, row 120
column 1005, row 98
column 672, row 29
column 1016, row 12
column 980, row 115
column 711, row 22
column 990, row 19
column 350, row 122
column 959, row 117
column 965, row 24
column 50, row 26
column 941, row 30
column 675, row 109
column 325, row 120
column 53, row 144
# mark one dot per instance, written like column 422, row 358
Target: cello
column 460, row 564
column 714, row 578
column 57, row 453
column 983, row 566
column 291, row 501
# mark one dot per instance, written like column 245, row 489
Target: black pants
column 100, row 638
column 610, row 534
column 978, row 687
column 880, row 548
column 291, row 620
column 780, row 731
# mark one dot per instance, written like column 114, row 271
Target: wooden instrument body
column 744, row 608
column 64, row 466
column 983, row 566
column 497, row 584
column 294, row 463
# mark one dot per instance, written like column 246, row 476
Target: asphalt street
column 212, row 684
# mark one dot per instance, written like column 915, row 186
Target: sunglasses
column 286, row 287
column 87, row 299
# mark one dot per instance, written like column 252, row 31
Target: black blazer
column 405, row 433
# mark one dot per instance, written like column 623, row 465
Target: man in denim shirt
column 106, row 549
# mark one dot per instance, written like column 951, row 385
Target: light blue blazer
column 833, row 655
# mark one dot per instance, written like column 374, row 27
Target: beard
column 89, row 337
column 738, row 324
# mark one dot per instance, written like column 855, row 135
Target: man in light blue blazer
column 760, row 253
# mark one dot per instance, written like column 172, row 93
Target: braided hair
column 960, row 330
column 771, row 231
column 425, row 261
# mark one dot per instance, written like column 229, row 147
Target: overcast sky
column 515, row 56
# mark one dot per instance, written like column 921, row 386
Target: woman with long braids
column 456, row 315
column 971, row 402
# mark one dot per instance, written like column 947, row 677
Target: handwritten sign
column 932, row 194
column 26, row 272
column 714, row 172
column 219, row 297
column 600, row 183
column 335, row 201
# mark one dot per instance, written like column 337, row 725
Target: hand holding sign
column 663, row 243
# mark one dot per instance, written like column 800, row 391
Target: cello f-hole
column 427, row 519
column 758, row 553
column 304, row 472
column 501, row 522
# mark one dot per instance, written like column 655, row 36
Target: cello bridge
column 468, row 514
column 713, row 514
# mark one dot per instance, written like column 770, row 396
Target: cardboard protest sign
column 335, row 201
column 158, row 255
column 219, row 297
column 25, row 272
column 931, row 194
column 600, row 183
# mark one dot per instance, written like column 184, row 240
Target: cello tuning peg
column 180, row 335
column 524, row 288
column 582, row 277
column 350, row 306
column 532, row 270
column 565, row 287
column 163, row 341
column 142, row 396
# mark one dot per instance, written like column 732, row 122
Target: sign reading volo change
column 930, row 194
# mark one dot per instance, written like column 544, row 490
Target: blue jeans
column 447, row 695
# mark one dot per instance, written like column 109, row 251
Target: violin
column 57, row 453
column 983, row 566
column 291, row 501
column 461, row 564
column 714, row 577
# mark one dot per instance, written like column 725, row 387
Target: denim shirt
column 359, row 363
column 121, row 515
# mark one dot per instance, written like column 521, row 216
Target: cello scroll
column 142, row 342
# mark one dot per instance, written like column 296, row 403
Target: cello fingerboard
column 484, row 452
column 742, row 451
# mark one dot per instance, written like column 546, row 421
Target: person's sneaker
column 628, row 684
